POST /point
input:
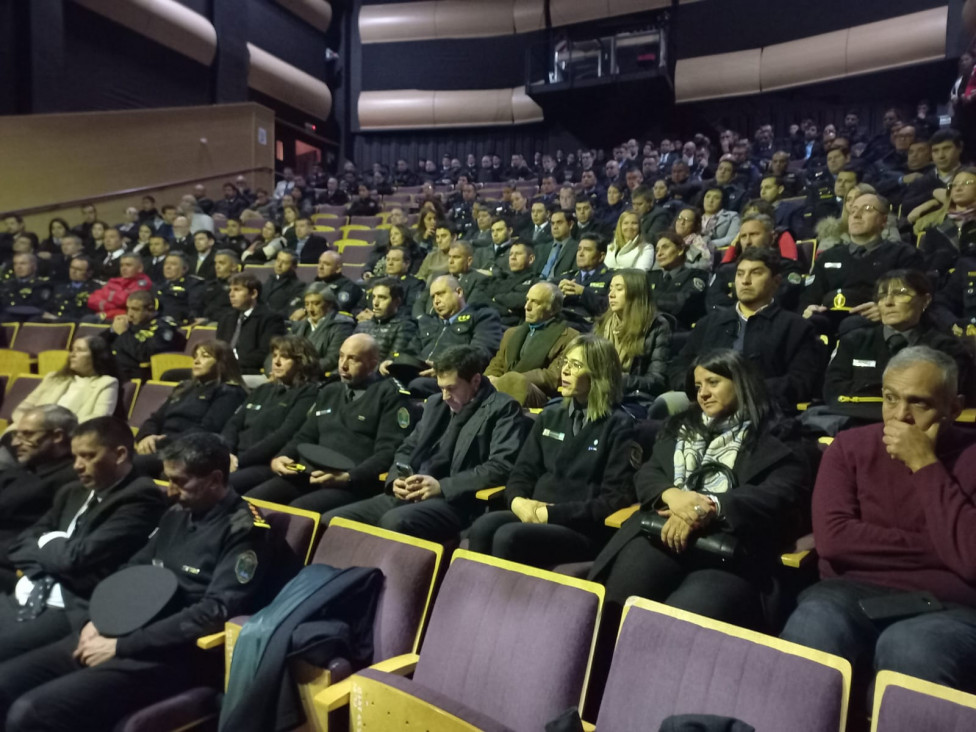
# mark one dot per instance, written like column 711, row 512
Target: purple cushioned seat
column 511, row 646
column 173, row 713
column 664, row 665
column 907, row 710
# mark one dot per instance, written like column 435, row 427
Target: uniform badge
column 957, row 331
column 810, row 280
column 343, row 297
column 839, row 300
column 167, row 335
column 464, row 318
column 699, row 284
column 403, row 418
column 246, row 566
column 794, row 278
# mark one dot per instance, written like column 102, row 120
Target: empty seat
column 32, row 338
column 87, row 330
column 339, row 211
column 702, row 666
column 14, row 362
column 199, row 334
column 150, row 397
column 17, row 390
column 906, row 704
column 10, row 333
column 48, row 361
column 308, row 272
column 507, row 647
column 160, row 363
column 261, row 271
column 367, row 235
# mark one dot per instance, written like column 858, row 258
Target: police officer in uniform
column 507, row 288
column 207, row 562
column 212, row 300
column 585, row 293
column 954, row 309
column 389, row 321
column 348, row 295
column 141, row 333
column 24, row 295
column 282, row 293
column 69, row 301
column 398, row 263
column 177, row 293
column 363, row 417
column 460, row 260
column 843, row 277
column 678, row 289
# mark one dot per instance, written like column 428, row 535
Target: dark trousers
column 17, row 638
column 434, row 519
column 503, row 535
column 297, row 492
column 46, row 689
column 938, row 646
column 683, row 581
column 244, row 480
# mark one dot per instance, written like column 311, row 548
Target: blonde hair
column 619, row 243
column 602, row 365
column 627, row 331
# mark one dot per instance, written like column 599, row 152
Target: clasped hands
column 530, row 512
column 416, row 488
column 93, row 648
column 687, row 512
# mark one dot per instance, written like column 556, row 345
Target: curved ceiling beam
column 270, row 75
column 165, row 21
column 414, row 108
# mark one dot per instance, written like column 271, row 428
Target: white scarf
column 695, row 450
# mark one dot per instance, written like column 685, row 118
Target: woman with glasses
column 719, row 226
column 721, row 495
column 852, row 385
column 641, row 335
column 575, row 469
column 687, row 224
column 952, row 229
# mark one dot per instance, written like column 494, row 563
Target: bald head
column 330, row 264
column 359, row 356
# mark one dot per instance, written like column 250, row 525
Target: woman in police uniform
column 204, row 403
column 575, row 469
column 273, row 412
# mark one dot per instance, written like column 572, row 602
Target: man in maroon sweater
column 894, row 513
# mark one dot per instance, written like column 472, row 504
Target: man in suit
column 558, row 257
column 95, row 524
column 537, row 231
column 108, row 260
column 460, row 263
column 526, row 366
column 250, row 327
column 468, row 439
column 42, row 446
column 308, row 246
column 283, row 291
column 586, row 222
column 152, row 262
column 507, row 290
column 203, row 265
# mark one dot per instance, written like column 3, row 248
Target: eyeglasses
column 30, row 436
column 572, row 366
column 866, row 209
column 963, row 183
column 900, row 295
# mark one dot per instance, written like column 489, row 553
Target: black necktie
column 37, row 600
column 237, row 333
column 896, row 343
column 579, row 416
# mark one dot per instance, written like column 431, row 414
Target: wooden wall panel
column 69, row 157
column 714, row 77
column 902, row 41
column 819, row 58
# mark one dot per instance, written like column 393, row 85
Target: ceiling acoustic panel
column 280, row 80
column 819, row 58
column 317, row 13
column 466, row 19
column 717, row 76
column 413, row 108
column 398, row 22
column 902, row 41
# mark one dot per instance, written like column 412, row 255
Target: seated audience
column 323, row 325
column 719, row 469
column 308, row 246
column 389, row 322
column 654, row 219
column 574, row 470
column 687, row 225
column 843, row 278
column 586, row 221
column 42, row 447
column 893, row 518
column 435, row 263
column 952, row 229
column 282, row 292
column 155, row 257
column 212, row 300
column 398, row 264
column 557, row 257
column 203, row 403
column 364, row 204
column 24, row 295
column 176, row 293
column 266, row 246
column 585, row 291
column 832, row 231
column 348, row 295
column 493, row 257
column 101, row 679
column 363, row 419
column 507, row 288
column 97, row 521
column 859, row 361
column 526, row 366
column 783, row 345
column 641, row 335
column 87, row 385
column 140, row 334
column 467, row 439
column 719, row 226
column 537, row 230
column 947, row 148
column 203, row 259
column 250, row 326
column 109, row 301
column 460, row 263
column 628, row 250
column 273, row 412
column 677, row 289
column 107, row 258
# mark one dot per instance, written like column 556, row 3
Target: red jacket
column 784, row 240
column 111, row 298
column 874, row 521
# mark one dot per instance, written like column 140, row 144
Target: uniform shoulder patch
column 636, row 455
column 464, row 318
column 794, row 278
column 403, row 418
column 343, row 297
column 246, row 566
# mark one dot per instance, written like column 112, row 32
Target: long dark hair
column 750, row 392
column 303, row 352
column 103, row 361
column 228, row 371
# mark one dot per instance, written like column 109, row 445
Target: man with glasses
column 843, row 278
column 42, row 447
column 895, row 527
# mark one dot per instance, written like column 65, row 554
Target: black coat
column 585, row 477
column 257, row 331
column 783, row 345
column 585, row 308
column 194, row 407
column 769, row 508
column 283, row 293
column 392, row 335
column 175, row 298
column 134, row 348
column 315, row 245
column 955, row 302
column 477, row 326
column 112, row 530
column 681, row 295
column 267, row 419
column 205, row 269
